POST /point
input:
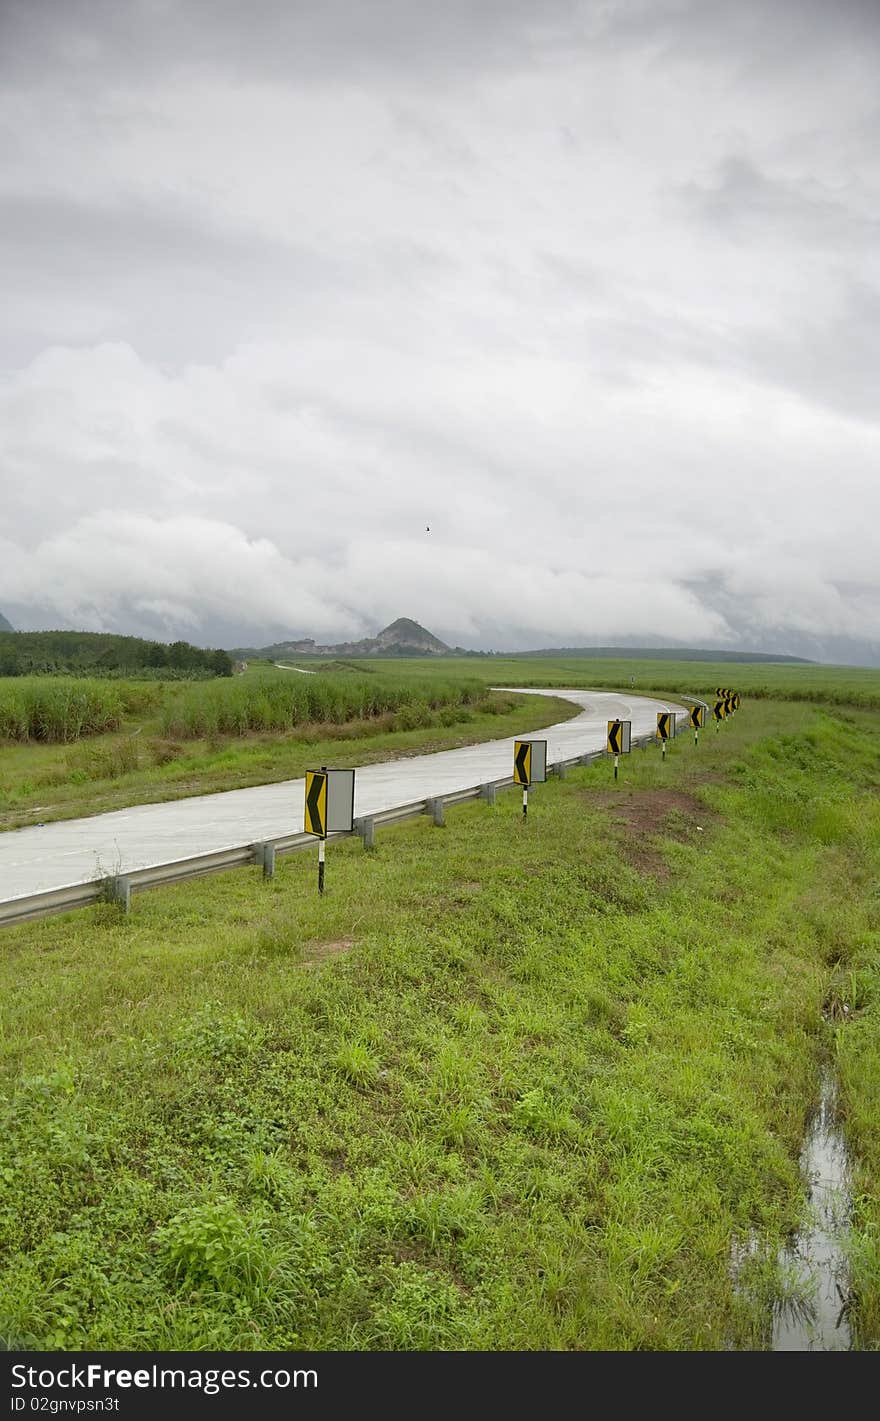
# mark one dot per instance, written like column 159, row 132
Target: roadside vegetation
column 148, row 740
column 279, row 702
column 760, row 680
column 503, row 1086
column 50, row 710
column 823, row 685
column 71, row 747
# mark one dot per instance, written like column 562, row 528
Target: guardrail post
column 434, row 807
column 118, row 890
column 366, row 830
column 559, row 769
column 487, row 792
column 264, row 853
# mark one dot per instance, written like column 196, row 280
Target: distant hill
column 404, row 637
column 104, row 653
column 401, row 638
column 653, row 653
column 4, row 625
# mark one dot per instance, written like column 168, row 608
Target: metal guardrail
column 118, row 889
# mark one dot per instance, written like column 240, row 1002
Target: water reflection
column 814, row 1318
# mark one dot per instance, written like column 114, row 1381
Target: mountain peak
column 404, row 632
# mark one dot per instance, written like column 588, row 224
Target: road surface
column 45, row 857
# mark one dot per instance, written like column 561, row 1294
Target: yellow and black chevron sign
column 316, row 803
column 664, row 725
column 615, row 737
column 697, row 716
column 736, row 700
column 522, row 762
column 718, row 710
column 729, row 706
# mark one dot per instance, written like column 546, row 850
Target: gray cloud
column 744, row 204
column 831, row 359
column 753, row 36
column 136, row 268
column 302, row 39
column 196, row 574
column 592, row 290
column 295, row 39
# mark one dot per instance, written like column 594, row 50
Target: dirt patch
column 318, row 952
column 646, row 814
column 666, row 811
column 466, row 892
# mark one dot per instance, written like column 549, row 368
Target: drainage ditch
column 813, row 1313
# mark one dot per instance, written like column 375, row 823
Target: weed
column 356, row 1062
column 213, row 1243
column 541, row 1117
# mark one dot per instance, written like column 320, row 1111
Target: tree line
column 105, row 653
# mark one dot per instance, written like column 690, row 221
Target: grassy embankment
column 504, row 1086
column 71, row 747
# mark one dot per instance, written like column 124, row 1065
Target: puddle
column 813, row 1315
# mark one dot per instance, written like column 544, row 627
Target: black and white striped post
column 697, row 713
column 618, row 740
column 529, row 766
column 665, row 728
column 329, row 808
column 322, row 846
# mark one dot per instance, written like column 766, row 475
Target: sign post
column 665, row 728
column 729, row 698
column 619, row 740
column 329, row 808
column 697, row 715
column 529, row 766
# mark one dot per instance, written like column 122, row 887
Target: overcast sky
column 590, row 289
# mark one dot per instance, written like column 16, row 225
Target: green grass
column 281, row 702
column 50, row 710
column 504, row 1086
column 826, row 685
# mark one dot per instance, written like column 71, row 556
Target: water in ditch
column 813, row 1315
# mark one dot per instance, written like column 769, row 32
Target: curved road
column 74, row 851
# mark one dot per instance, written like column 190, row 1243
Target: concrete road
column 73, row 851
